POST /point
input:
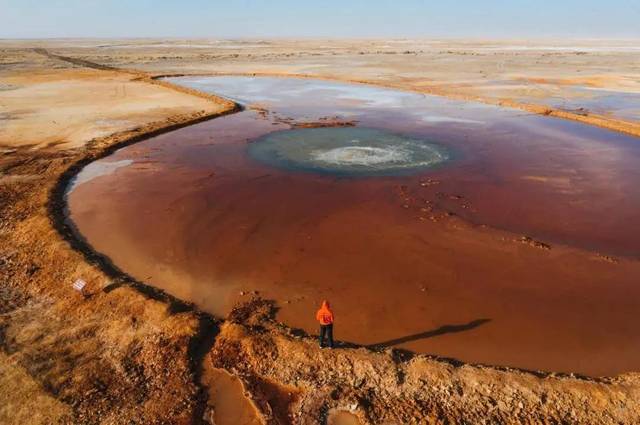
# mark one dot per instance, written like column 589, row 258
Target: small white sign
column 79, row 285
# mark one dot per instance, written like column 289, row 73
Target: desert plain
column 128, row 352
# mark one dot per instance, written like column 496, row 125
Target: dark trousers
column 326, row 331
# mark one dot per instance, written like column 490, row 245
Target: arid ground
column 126, row 352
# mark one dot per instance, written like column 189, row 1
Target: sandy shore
column 130, row 353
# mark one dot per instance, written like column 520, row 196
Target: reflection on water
column 603, row 102
column 310, row 99
column 218, row 210
column 97, row 169
column 574, row 98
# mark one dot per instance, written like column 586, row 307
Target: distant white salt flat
column 595, row 49
column 212, row 45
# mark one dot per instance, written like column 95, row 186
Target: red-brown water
column 430, row 261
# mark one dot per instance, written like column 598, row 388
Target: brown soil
column 125, row 352
column 117, row 354
column 128, row 353
column 395, row 387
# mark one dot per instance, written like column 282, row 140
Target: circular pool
column 353, row 151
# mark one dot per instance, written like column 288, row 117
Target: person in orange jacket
column 325, row 317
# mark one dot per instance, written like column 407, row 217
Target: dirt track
column 129, row 353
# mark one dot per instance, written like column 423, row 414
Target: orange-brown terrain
column 127, row 352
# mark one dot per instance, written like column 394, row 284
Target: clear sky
column 320, row 18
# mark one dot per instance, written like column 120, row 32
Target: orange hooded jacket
column 325, row 315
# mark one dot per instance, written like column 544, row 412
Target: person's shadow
column 442, row 330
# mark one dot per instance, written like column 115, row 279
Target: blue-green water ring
column 347, row 151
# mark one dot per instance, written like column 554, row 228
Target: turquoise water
column 352, row 151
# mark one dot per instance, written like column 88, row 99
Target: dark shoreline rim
column 208, row 326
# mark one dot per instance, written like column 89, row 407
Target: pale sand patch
column 71, row 107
